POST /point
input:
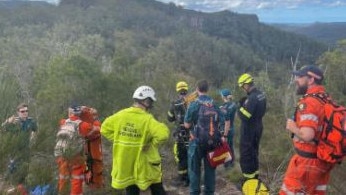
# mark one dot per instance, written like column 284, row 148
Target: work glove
column 242, row 101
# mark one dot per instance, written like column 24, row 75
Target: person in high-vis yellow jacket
column 136, row 136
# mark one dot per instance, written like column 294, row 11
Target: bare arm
column 306, row 134
column 227, row 127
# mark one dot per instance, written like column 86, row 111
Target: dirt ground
column 223, row 185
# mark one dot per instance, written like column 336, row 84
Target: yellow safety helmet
column 255, row 186
column 245, row 79
column 181, row 85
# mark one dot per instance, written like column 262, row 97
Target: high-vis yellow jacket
column 136, row 136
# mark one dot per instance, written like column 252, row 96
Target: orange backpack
column 331, row 145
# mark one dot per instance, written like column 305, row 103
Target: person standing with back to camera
column 229, row 109
column 136, row 136
column 205, row 117
column 72, row 165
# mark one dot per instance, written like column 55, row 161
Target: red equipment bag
column 220, row 155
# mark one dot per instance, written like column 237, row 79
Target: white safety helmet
column 144, row 92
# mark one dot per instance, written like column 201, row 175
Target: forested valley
column 97, row 53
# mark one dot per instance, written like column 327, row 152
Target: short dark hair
column 203, row 86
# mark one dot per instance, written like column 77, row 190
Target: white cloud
column 49, row 1
column 181, row 3
column 264, row 5
column 337, row 3
column 243, row 5
column 247, row 5
column 53, row 1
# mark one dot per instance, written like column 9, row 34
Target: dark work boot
column 240, row 183
column 178, row 181
column 186, row 180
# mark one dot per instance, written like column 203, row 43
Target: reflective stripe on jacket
column 310, row 113
column 136, row 136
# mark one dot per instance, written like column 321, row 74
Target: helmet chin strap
column 147, row 104
column 144, row 105
column 150, row 104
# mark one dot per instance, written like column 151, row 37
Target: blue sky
column 275, row 11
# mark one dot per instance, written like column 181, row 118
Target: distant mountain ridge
column 14, row 4
column 242, row 30
column 328, row 33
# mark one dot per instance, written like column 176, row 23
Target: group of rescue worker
column 306, row 172
column 251, row 109
column 84, row 167
column 176, row 113
column 136, row 137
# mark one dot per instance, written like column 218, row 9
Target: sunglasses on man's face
column 183, row 93
column 23, row 111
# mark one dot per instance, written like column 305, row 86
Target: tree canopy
column 97, row 53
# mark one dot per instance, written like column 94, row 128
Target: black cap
column 309, row 70
column 76, row 109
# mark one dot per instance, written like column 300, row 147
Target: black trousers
column 249, row 148
column 156, row 189
column 182, row 156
